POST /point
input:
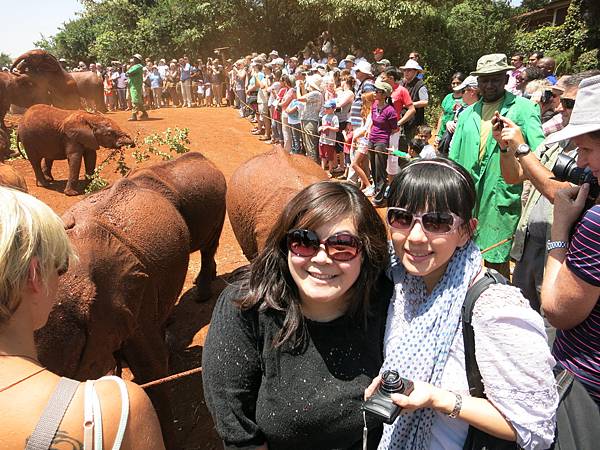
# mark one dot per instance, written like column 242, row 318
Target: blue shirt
column 185, row 72
column 155, row 80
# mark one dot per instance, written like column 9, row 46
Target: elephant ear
column 76, row 128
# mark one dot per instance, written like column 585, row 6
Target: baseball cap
column 470, row 81
column 330, row 104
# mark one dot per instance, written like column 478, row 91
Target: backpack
column 578, row 416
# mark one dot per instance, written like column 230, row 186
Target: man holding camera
column 571, row 286
column 519, row 163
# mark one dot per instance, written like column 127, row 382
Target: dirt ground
column 222, row 136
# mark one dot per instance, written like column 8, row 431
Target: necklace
column 28, row 376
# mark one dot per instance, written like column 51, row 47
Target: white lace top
column 515, row 363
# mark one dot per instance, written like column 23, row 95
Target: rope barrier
column 171, row 378
column 389, row 152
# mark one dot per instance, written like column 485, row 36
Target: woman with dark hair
column 451, row 103
column 293, row 345
column 436, row 262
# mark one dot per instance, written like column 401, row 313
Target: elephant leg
column 147, row 357
column 74, row 160
column 208, row 272
column 36, row 164
column 47, row 169
column 89, row 160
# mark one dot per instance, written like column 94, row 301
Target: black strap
column 473, row 293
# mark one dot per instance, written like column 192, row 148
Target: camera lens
column 391, row 382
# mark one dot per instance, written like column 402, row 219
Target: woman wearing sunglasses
column 293, row 345
column 431, row 226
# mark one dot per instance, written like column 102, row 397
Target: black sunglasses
column 339, row 247
column 567, row 103
column 431, row 222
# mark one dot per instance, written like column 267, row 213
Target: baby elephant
column 49, row 133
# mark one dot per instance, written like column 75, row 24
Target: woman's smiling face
column 426, row 254
column 322, row 282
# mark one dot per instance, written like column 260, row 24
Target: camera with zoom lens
column 565, row 169
column 380, row 404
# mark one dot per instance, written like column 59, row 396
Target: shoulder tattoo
column 62, row 441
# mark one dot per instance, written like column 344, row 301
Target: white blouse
column 520, row 384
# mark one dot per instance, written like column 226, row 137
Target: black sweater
column 307, row 399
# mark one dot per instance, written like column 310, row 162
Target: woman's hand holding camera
column 424, row 395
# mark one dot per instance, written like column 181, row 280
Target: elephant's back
column 196, row 187
column 41, row 125
column 260, row 189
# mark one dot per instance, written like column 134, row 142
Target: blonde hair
column 28, row 229
column 367, row 102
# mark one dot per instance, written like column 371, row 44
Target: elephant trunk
column 125, row 141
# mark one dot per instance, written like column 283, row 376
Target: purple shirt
column 578, row 349
column 384, row 122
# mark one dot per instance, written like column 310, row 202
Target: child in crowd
column 200, row 93
column 348, row 135
column 208, row 96
column 294, row 110
column 424, row 133
column 415, row 148
column 328, row 129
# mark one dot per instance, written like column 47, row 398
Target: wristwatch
column 522, row 150
column 457, row 406
column 551, row 245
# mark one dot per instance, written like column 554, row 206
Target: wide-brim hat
column 411, row 64
column 314, row 82
column 470, row 81
column 138, row 57
column 364, row 67
column 383, row 86
column 585, row 117
column 492, row 64
column 349, row 58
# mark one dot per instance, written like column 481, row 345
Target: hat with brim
column 411, row 64
column 492, row 64
column 383, row 86
column 314, row 82
column 470, row 81
column 138, row 57
column 384, row 62
column 364, row 67
column 585, row 117
column 349, row 58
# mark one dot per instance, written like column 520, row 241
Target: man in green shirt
column 473, row 146
column 136, row 74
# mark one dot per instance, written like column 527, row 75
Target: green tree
column 5, row 60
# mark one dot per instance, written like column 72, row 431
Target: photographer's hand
column 511, row 134
column 497, row 125
column 568, row 205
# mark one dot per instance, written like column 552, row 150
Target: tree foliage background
column 449, row 34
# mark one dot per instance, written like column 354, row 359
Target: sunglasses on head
column 339, row 247
column 431, row 222
column 567, row 103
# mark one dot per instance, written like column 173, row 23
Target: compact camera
column 565, row 169
column 380, row 404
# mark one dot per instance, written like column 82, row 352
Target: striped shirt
column 578, row 349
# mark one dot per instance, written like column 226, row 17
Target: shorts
column 263, row 109
column 362, row 147
column 326, row 152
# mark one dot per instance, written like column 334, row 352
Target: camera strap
column 365, row 430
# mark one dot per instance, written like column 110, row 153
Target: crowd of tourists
column 352, row 331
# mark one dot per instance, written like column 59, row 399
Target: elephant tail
column 22, row 152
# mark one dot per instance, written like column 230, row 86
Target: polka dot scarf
column 419, row 333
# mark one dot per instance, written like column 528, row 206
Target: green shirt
column 136, row 74
column 448, row 108
column 498, row 206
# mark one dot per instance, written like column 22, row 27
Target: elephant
column 197, row 189
column 11, row 178
column 37, row 77
column 51, row 133
column 259, row 190
column 90, row 87
column 43, row 67
column 5, row 152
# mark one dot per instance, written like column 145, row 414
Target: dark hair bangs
column 422, row 187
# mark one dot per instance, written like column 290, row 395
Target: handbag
column 578, row 415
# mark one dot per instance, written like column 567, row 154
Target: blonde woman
column 34, row 252
column 360, row 141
